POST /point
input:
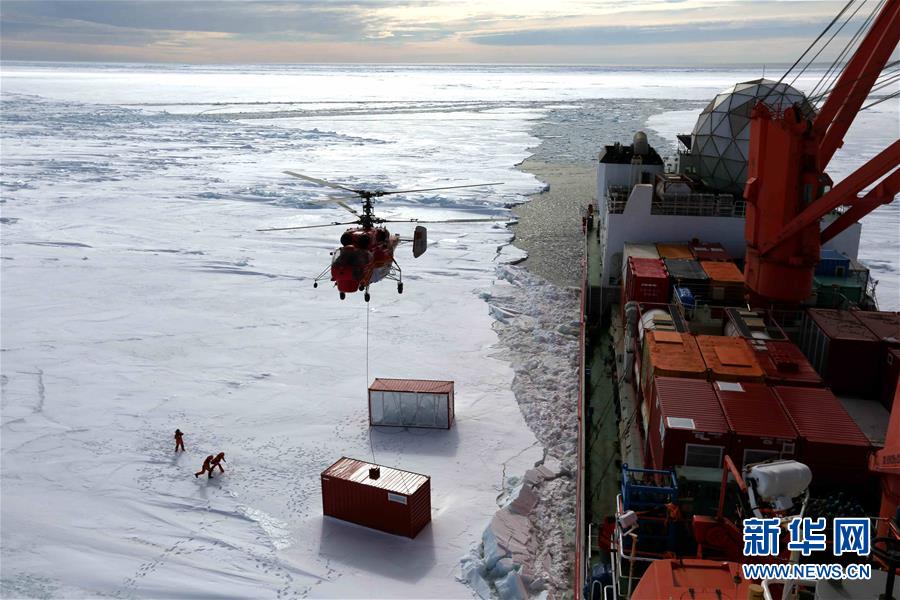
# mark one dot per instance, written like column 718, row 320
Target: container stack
column 843, row 351
column 646, row 280
column 687, row 426
column 729, row 358
column 726, row 282
column 830, row 442
column 761, row 430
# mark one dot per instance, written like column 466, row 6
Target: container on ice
column 383, row 498
column 411, row 403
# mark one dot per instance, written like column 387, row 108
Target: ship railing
column 790, row 588
column 617, row 198
column 698, row 205
column 628, row 564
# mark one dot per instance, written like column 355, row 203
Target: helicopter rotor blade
column 449, row 187
column 345, row 206
column 320, row 181
column 447, row 221
column 335, row 224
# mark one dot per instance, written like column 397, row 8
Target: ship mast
column 788, row 191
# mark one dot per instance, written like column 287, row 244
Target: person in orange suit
column 207, row 467
column 179, row 440
column 217, row 462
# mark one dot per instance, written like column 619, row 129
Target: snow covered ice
column 137, row 297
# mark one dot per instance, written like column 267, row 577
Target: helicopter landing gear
column 315, row 284
column 400, row 288
column 366, row 297
column 343, row 295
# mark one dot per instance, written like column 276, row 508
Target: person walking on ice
column 217, row 462
column 179, row 440
column 207, row 467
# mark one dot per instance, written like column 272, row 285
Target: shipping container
column 832, row 264
column 784, row 364
column 708, row 251
column 729, row 358
column 646, row 280
column 830, row 442
column 890, row 378
column 660, row 317
column 687, row 273
column 843, row 351
column 760, row 429
column 687, row 426
column 383, row 498
column 885, row 326
column 726, row 282
column 669, row 354
column 637, row 251
column 752, row 324
column 411, row 403
column 674, row 251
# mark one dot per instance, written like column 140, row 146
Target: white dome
column 720, row 141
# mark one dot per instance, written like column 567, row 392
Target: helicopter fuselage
column 366, row 256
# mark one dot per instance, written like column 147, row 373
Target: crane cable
column 371, row 445
column 832, row 74
column 825, row 45
column 808, row 48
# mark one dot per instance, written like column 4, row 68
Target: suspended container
column 784, row 364
column 383, row 498
column 646, row 281
column 729, row 358
column 687, row 426
column 843, row 351
column 760, row 429
column 830, row 442
column 411, row 403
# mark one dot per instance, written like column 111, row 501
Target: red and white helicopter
column 366, row 253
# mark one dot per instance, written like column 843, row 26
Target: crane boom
column 788, row 191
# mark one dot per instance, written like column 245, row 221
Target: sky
column 604, row 32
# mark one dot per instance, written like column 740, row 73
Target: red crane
column 788, row 191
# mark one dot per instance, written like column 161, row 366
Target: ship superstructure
column 735, row 363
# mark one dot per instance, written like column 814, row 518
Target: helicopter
column 366, row 253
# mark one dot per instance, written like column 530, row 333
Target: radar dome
column 720, row 142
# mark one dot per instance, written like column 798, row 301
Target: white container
column 411, row 403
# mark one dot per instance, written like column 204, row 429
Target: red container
column 687, row 426
column 891, row 377
column 843, row 351
column 646, row 280
column 885, row 325
column 729, row 358
column 830, row 442
column 760, row 429
column 784, row 364
column 708, row 251
column 397, row 502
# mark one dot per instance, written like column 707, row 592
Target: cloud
column 257, row 31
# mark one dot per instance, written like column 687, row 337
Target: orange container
column 674, row 251
column 722, row 272
column 729, row 358
column 670, row 354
